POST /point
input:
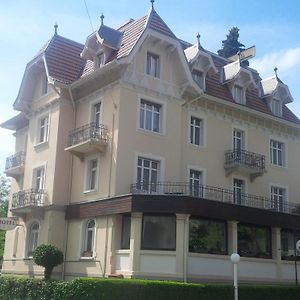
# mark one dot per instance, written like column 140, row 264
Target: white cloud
column 287, row 61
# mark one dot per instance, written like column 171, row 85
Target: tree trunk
column 47, row 273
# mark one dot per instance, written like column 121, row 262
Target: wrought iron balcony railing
column 31, row 197
column 245, row 158
column 14, row 161
column 91, row 131
column 215, row 194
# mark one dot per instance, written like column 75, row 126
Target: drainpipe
column 66, row 233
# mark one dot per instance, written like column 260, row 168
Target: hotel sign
column 7, row 223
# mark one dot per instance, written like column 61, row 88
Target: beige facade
column 137, row 167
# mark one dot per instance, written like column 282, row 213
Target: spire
column 198, row 39
column 102, row 19
column 55, row 28
column 152, row 3
column 275, row 70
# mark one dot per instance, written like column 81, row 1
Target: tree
column 48, row 256
column 231, row 45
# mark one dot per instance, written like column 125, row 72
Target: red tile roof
column 63, row 59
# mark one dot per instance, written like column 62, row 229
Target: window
column 238, row 94
column 196, row 131
column 44, row 84
column 100, row 60
column 198, row 77
column 254, row 241
column 150, row 116
column 196, row 188
column 289, row 239
column 96, row 113
column 238, row 191
column 43, row 129
column 38, row 178
column 276, row 107
column 278, row 198
column 147, row 174
column 33, row 236
column 238, row 139
column 126, row 227
column 159, row 232
column 92, row 174
column 89, row 239
column 277, row 153
column 207, row 236
column 152, row 64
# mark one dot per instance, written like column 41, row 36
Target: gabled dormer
column 102, row 44
column 238, row 80
column 200, row 62
column 276, row 93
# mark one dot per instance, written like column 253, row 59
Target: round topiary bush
column 48, row 256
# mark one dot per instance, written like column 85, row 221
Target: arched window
column 89, row 239
column 33, row 236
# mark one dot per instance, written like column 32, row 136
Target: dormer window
column 238, row 94
column 152, row 64
column 199, row 78
column 276, row 107
column 100, row 60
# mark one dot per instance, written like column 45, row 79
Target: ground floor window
column 207, row 236
column 126, row 226
column 289, row 239
column 89, row 239
column 159, row 232
column 33, row 237
column 254, row 241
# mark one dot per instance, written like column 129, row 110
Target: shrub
column 47, row 256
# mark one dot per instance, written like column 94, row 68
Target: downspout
column 66, row 233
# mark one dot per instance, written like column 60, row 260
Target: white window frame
column 276, row 107
column 28, row 237
column 34, row 177
column 39, row 129
column 87, row 177
column 84, row 239
column 239, row 97
column 202, row 132
column 159, row 159
column 274, row 205
column 162, row 115
column 153, row 64
column 243, row 190
column 100, row 59
column 92, row 111
column 235, row 138
column 273, row 161
column 199, row 77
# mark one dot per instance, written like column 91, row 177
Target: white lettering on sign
column 7, row 223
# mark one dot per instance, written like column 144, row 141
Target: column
column 182, row 239
column 232, row 230
column 135, row 242
column 276, row 249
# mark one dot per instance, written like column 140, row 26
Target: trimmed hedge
column 122, row 289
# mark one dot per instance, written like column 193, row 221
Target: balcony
column 88, row 139
column 246, row 162
column 214, row 194
column 14, row 166
column 28, row 201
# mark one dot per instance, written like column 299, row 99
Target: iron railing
column 31, row 197
column 16, row 160
column 245, row 158
column 91, row 131
column 215, row 194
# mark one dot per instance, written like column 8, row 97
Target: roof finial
column 275, row 70
column 102, row 18
column 152, row 3
column 55, row 28
column 198, row 38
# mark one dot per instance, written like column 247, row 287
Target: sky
column 25, row 25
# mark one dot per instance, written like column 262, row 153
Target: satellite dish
column 298, row 247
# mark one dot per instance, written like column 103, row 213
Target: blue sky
column 25, row 25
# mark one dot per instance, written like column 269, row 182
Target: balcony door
column 96, row 120
column 238, row 143
column 238, row 191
